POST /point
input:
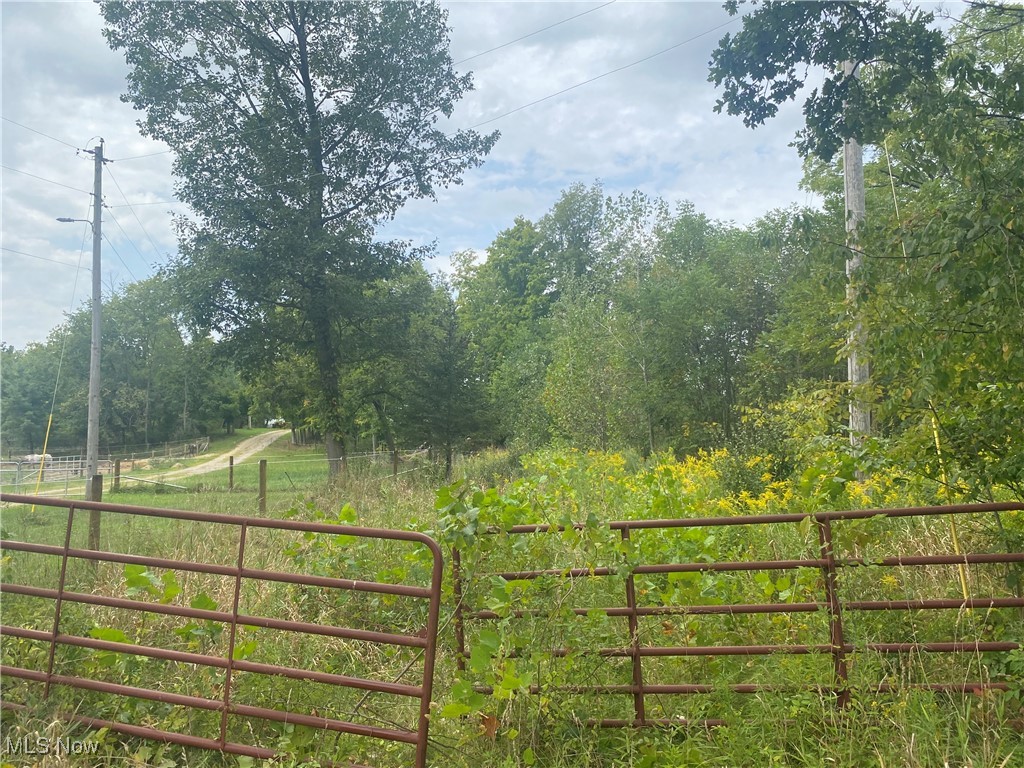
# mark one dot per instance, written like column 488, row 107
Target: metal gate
column 826, row 565
column 233, row 692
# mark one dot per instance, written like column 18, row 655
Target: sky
column 650, row 126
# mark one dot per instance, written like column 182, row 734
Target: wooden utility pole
column 857, row 366
column 93, row 480
column 92, row 442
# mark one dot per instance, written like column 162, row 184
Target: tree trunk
column 337, row 461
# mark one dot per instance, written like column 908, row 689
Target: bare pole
column 92, row 444
column 857, row 366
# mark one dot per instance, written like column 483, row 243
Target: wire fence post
column 835, row 614
column 639, row 708
column 231, row 473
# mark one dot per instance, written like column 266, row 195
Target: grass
column 909, row 727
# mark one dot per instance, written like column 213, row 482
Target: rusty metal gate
column 822, row 560
column 71, row 655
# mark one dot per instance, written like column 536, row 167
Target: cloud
column 649, row 127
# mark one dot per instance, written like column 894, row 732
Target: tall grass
column 909, row 727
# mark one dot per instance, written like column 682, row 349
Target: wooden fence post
column 117, row 475
column 263, row 486
column 231, row 473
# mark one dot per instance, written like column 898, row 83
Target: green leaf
column 203, row 602
column 243, row 650
column 139, row 579
column 110, row 634
column 489, row 639
column 454, row 709
column 480, row 658
column 171, row 587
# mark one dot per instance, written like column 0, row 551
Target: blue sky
column 649, row 127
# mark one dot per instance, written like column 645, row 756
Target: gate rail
column 425, row 639
column 837, row 645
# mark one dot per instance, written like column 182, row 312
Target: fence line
column 839, row 643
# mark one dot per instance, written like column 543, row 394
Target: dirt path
column 242, row 451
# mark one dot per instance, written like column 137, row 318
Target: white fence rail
column 22, row 475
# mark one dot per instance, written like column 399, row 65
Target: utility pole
column 94, row 487
column 857, row 366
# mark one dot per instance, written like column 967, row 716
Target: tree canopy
column 771, row 59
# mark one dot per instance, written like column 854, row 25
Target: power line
column 139, row 157
column 126, row 237
column 41, row 258
column 460, row 61
column 48, row 181
column 124, row 197
column 531, row 34
column 156, row 202
column 33, row 130
column 123, row 264
column 606, row 74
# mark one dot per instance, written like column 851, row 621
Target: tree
column 296, row 127
column 503, row 306
column 806, row 249
column 769, row 61
column 28, row 381
column 758, row 70
column 445, row 396
column 949, row 262
column 593, row 392
column 715, row 287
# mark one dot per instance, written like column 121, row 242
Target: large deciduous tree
column 297, row 126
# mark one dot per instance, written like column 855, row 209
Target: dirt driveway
column 242, row 451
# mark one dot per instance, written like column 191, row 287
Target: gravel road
column 242, row 451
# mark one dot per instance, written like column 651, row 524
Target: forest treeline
column 627, row 322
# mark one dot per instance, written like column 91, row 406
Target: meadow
column 512, row 701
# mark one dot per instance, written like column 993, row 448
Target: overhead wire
column 41, row 258
column 128, row 205
column 156, row 248
column 456, row 63
column 154, row 202
column 128, row 238
column 114, row 249
column 504, row 45
column 605, row 74
column 33, row 130
column 476, row 125
column 139, row 157
column 531, row 34
column 48, row 181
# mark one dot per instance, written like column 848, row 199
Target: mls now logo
column 45, row 745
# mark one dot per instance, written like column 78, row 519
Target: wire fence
column 62, row 474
